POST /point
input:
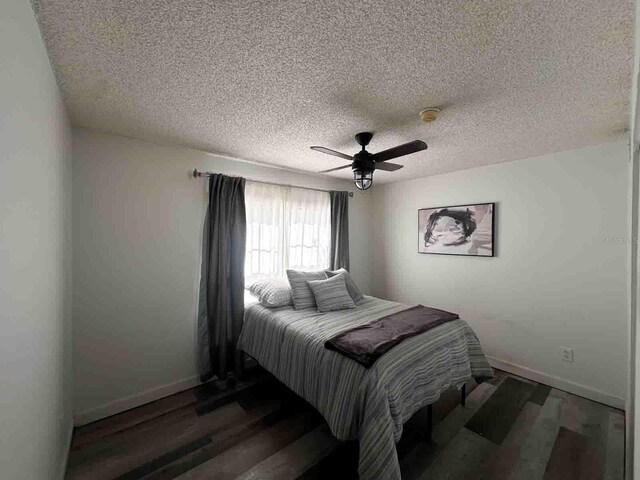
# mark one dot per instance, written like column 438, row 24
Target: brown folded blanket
column 367, row 343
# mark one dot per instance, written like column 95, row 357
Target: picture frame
column 463, row 230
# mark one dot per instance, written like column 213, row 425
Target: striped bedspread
column 369, row 405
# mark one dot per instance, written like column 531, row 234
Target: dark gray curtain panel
column 339, row 230
column 221, row 300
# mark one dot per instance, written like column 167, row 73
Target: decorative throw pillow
column 352, row 288
column 271, row 292
column 300, row 291
column 331, row 294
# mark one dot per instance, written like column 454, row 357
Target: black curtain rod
column 197, row 174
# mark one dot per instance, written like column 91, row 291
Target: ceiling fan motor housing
column 362, row 162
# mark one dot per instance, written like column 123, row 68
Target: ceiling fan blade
column 334, row 169
column 399, row 151
column 389, row 167
column 328, row 151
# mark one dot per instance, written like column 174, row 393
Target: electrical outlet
column 567, row 354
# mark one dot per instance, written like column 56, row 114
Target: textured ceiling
column 264, row 80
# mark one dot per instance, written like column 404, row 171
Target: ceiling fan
column 364, row 163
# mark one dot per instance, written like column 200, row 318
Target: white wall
column 556, row 281
column 632, row 422
column 35, row 273
column 137, row 228
column 632, row 447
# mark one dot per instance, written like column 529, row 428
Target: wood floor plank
column 423, row 454
column 201, row 396
column 540, row 394
column 448, row 428
column 226, row 441
column 129, row 439
column 501, row 375
column 341, row 463
column 260, row 391
column 523, row 379
column 585, row 416
column 590, row 419
column 158, row 442
column 536, row 449
column 495, row 418
column 93, row 454
column 169, row 457
column 523, row 425
column 418, row 459
column 118, row 441
column 293, row 460
column 614, row 457
column 241, row 457
column 571, row 458
column 460, row 457
column 103, row 428
column 500, row 464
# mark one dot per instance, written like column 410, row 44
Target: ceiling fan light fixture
column 363, row 179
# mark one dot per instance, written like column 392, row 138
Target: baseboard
column 559, row 383
column 132, row 401
column 66, row 448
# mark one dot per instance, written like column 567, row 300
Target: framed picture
column 457, row 230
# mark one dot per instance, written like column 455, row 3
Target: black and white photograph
column 457, row 230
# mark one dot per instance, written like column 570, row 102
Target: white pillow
column 271, row 292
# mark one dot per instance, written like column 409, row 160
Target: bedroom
column 528, row 113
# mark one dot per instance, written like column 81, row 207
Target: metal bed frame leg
column 463, row 402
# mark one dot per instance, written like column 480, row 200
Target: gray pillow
column 271, row 292
column 300, row 291
column 331, row 294
column 352, row 288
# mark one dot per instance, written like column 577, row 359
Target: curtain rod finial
column 351, row 194
column 195, row 173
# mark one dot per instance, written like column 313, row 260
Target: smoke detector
column 429, row 114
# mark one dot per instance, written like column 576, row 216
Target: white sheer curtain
column 309, row 218
column 266, row 247
column 286, row 228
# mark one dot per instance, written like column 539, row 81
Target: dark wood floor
column 510, row 428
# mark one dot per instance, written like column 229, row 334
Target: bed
column 369, row 405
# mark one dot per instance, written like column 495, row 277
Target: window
column 286, row 228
